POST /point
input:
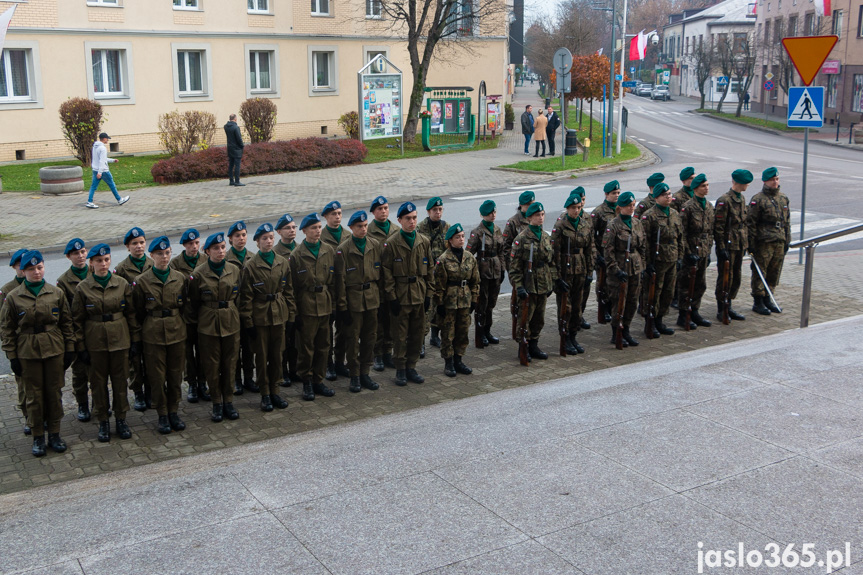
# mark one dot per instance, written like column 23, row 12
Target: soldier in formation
column 333, row 234
column 76, row 253
column 434, row 228
column 730, row 237
column 768, row 224
column 237, row 256
column 600, row 217
column 487, row 245
column 380, row 230
column 697, row 218
column 664, row 234
column 286, row 227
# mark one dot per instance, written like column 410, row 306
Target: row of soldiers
column 345, row 301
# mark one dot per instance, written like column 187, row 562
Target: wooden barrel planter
column 61, row 180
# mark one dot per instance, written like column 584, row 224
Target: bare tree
column 429, row 25
column 702, row 59
column 744, row 65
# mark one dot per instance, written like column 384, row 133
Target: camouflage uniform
column 574, row 258
column 599, row 218
column 697, row 240
column 384, row 343
column 540, row 282
column 492, row 264
column 456, row 288
column 68, row 282
column 768, row 221
column 730, row 234
column 435, row 235
column 614, row 242
column 680, row 197
column 644, row 205
column 514, row 226
column 670, row 251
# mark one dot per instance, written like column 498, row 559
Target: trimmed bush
column 259, row 118
column 261, row 158
column 350, row 123
column 81, row 121
column 180, row 133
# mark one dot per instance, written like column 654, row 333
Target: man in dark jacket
column 235, row 150
column 551, row 128
column 527, row 127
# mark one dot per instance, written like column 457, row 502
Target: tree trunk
column 724, row 95
column 580, row 112
column 591, row 119
column 416, row 102
column 703, row 97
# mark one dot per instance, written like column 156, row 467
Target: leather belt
column 461, row 283
column 364, row 286
column 38, row 328
column 266, row 296
column 216, row 304
column 407, row 279
column 105, row 317
column 317, row 289
column 164, row 312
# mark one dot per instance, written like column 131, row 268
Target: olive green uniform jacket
column 328, row 238
column 679, row 199
column 129, row 271
column 104, row 317
column 670, row 229
column 36, row 327
column 284, row 249
column 213, row 300
column 768, row 218
column 456, row 283
column 648, row 202
column 697, row 228
column 266, row 293
column 314, row 280
column 730, row 222
column 514, row 226
column 377, row 233
column 492, row 262
column 577, row 242
column 435, row 236
column 601, row 216
column 541, row 280
column 180, row 264
column 407, row 272
column 358, row 276
column 159, row 307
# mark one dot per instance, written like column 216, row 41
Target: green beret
column 534, row 207
column 579, row 191
column 487, row 208
column 526, row 197
column 572, row 200
column 625, row 199
column 453, row 230
column 611, row 186
column 655, row 178
column 659, row 189
column 697, row 181
column 687, row 173
column 768, row 174
column 741, row 176
column 435, row 201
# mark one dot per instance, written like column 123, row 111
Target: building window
column 777, row 31
column 112, row 3
column 837, row 22
column 460, row 20
column 809, row 24
column 321, row 7
column 792, row 26
column 186, row 5
column 259, row 6
column 832, row 89
column 190, row 73
column 14, row 76
column 259, row 71
column 857, row 100
column 193, row 73
column 860, row 23
column 322, row 65
column 107, row 72
column 373, row 8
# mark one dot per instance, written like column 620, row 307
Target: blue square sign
column 806, row 107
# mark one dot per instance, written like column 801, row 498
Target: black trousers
column 550, row 137
column 234, row 169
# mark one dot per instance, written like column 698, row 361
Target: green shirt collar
column 268, row 257
column 102, row 281
column 218, row 268
column 537, row 230
column 191, row 262
column 138, row 262
column 384, row 226
column 489, row 226
column 409, row 237
column 626, row 220
column 337, row 233
column 80, row 273
column 162, row 275
column 34, row 288
column 314, row 248
column 361, row 244
column 241, row 255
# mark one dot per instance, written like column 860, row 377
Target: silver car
column 644, row 90
column 660, row 93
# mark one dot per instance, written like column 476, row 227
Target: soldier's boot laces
column 449, row 368
column 460, row 367
column 758, row 305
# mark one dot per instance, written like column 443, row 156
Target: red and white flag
column 5, row 20
column 599, row 52
column 823, row 7
column 638, row 46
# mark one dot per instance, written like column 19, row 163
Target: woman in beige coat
column 539, row 133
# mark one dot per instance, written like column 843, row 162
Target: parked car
column 644, row 90
column 660, row 93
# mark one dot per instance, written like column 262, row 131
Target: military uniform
column 456, row 288
column 105, row 326
column 289, row 356
column 614, row 243
column 698, row 241
column 664, row 260
column 22, row 397
column 680, row 197
column 337, row 330
column 194, row 369
column 245, row 368
column 768, row 223
column 600, row 218
column 648, row 202
column 384, row 343
column 574, row 258
column 514, row 226
column 212, row 307
column 266, row 304
column 407, row 273
column 487, row 245
column 37, row 330
column 129, row 271
column 435, row 235
column 68, row 282
column 358, row 283
column 539, row 283
column 730, row 234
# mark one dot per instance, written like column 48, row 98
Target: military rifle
column 650, row 316
column 693, row 271
column 726, row 279
column 621, row 299
column 600, row 294
column 562, row 318
column 524, row 308
column 479, row 332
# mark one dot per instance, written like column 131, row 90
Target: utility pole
column 611, row 82
column 622, row 73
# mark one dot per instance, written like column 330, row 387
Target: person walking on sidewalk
column 746, row 101
column 101, row 173
column 551, row 128
column 539, row 135
column 235, row 150
column 527, row 127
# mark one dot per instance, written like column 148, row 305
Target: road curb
column 646, row 158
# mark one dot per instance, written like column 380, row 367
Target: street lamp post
column 622, row 72
column 611, row 83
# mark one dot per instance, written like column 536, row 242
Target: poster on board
column 381, row 109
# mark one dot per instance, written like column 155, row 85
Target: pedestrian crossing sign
column 806, row 107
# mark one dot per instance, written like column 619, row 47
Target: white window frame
column 385, row 50
column 34, row 78
column 105, row 3
column 275, row 90
column 127, row 95
column 370, row 14
column 257, row 9
column 316, row 10
column 206, row 94
column 333, row 88
column 185, row 5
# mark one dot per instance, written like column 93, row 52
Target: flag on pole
column 823, row 7
column 599, row 52
column 638, row 46
column 5, row 19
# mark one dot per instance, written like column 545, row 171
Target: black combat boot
column 286, row 378
column 700, row 321
column 203, row 391
column 662, row 328
column 342, row 370
column 434, row 340
column 249, row 383
column 355, row 386
column 448, row 368
column 758, row 305
column 570, row 349
column 277, row 401
column 768, row 303
column 238, row 387
column 584, row 324
column 27, row 430
column 123, row 429
column 55, row 443
column 607, row 317
column 613, row 341
column 534, row 351
column 331, row 372
column 378, row 363
column 163, row 426
column 655, row 333
column 38, row 445
column 104, row 432
column 192, row 395
column 308, row 392
column 412, row 375
column 627, row 337
column 140, row 401
column 460, row 367
column 423, row 351
column 217, row 413
column 734, row 315
column 401, row 378
column 230, row 411
column 388, row 361
column 368, row 382
column 266, row 403
column 681, row 321
column 83, row 412
column 177, row 424
column 321, row 389
column 575, row 344
column 490, row 339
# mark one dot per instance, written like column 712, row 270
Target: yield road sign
column 806, row 107
column 768, row 85
column 808, row 53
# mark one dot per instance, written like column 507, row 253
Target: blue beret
column 377, row 202
column 332, row 206
column 73, row 246
column 309, row 220
column 625, row 199
column 262, row 229
column 697, row 181
column 526, row 197
column 99, row 250
column 160, row 243
column 434, row 202
column 189, row 235
column 534, row 207
column 687, row 173
column 236, row 227
column 406, row 208
column 31, row 258
column 453, row 230
column 359, row 216
column 16, row 257
column 769, row 174
column 283, row 221
column 579, row 191
column 487, row 208
column 611, row 186
column 659, row 189
column 655, row 178
column 132, row 234
column 217, row 238
column 742, row 176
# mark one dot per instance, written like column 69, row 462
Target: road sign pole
column 803, row 201
column 563, row 131
column 622, row 68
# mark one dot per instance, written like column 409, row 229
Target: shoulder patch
column 752, row 203
column 643, row 217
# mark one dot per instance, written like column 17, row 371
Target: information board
column 381, row 105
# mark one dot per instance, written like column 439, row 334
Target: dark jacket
column 553, row 123
column 526, row 123
column 235, row 140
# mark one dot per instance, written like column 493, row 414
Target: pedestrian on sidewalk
column 551, row 129
column 527, row 127
column 539, row 135
column 101, row 173
column 746, row 101
column 235, row 150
